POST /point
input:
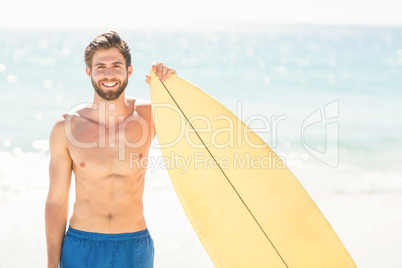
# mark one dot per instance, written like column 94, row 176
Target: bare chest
column 101, row 151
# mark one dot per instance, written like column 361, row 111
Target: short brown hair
column 105, row 41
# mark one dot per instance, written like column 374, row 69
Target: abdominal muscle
column 112, row 204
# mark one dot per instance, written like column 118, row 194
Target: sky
column 185, row 14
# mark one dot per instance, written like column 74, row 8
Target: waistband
column 107, row 237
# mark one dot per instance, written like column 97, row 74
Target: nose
column 109, row 72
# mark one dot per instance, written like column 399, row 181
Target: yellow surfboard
column 245, row 205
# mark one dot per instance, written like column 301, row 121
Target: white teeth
column 109, row 84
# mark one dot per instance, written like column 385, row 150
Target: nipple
column 82, row 164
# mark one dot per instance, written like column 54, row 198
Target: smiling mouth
column 109, row 85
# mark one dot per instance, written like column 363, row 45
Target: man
column 97, row 142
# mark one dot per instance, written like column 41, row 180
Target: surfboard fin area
column 244, row 204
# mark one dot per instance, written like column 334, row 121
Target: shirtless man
column 107, row 228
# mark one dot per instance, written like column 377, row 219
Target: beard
column 109, row 95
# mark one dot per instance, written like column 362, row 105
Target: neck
column 111, row 112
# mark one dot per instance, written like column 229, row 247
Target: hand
column 162, row 71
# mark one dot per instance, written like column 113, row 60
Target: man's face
column 109, row 73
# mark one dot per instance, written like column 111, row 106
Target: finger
column 170, row 71
column 160, row 68
column 154, row 66
column 164, row 69
column 164, row 72
column 147, row 79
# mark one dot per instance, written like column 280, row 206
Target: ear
column 88, row 71
column 130, row 70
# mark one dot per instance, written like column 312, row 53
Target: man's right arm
column 56, row 209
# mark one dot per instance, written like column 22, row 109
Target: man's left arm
column 163, row 72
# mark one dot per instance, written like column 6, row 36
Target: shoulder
column 58, row 139
column 59, row 125
column 78, row 116
column 142, row 102
column 138, row 101
column 141, row 106
column 58, row 129
column 81, row 110
column 143, row 109
column 62, row 126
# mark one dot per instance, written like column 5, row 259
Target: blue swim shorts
column 94, row 250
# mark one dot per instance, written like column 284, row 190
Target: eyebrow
column 114, row 63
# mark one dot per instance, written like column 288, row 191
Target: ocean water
column 326, row 99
